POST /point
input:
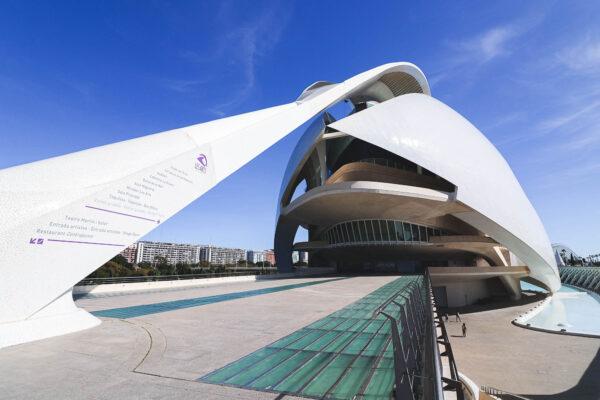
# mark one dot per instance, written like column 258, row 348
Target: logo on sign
column 202, row 163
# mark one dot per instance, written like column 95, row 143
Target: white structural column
column 65, row 216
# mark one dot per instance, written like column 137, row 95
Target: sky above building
column 75, row 75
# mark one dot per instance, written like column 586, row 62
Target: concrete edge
column 470, row 386
column 567, row 333
column 139, row 286
column 521, row 321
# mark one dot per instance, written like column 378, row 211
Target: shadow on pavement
column 526, row 298
column 588, row 387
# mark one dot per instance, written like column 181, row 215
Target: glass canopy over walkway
column 348, row 354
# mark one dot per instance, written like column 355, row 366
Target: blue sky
column 74, row 75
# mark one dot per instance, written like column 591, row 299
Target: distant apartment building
column 221, row 255
column 270, row 256
column 130, row 253
column 256, row 256
column 173, row 252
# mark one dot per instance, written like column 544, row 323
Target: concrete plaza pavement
column 161, row 355
column 537, row 365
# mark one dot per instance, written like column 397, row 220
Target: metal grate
column 401, row 83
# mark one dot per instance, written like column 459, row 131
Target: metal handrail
column 413, row 353
column 448, row 352
column 435, row 356
column 501, row 394
column 454, row 381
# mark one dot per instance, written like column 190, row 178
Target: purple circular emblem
column 202, row 160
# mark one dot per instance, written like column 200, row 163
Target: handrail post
column 403, row 390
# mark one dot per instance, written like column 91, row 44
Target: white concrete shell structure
column 65, row 216
column 563, row 254
column 403, row 160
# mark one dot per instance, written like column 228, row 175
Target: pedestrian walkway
column 345, row 354
column 155, row 308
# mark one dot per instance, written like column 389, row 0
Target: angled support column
column 65, row 216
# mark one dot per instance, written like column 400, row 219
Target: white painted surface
column 431, row 134
column 65, row 216
column 532, row 312
column 138, row 286
column 460, row 294
column 58, row 318
column 472, row 392
column 45, row 205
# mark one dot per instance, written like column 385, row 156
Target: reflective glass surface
column 379, row 231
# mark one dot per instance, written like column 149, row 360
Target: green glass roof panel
column 333, row 357
column 277, row 374
column 382, row 381
column 326, row 378
column 351, row 383
column 260, row 368
column 300, row 377
column 232, row 369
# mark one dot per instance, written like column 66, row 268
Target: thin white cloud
column 490, row 44
column 506, row 119
column 583, row 57
column 246, row 45
column 183, row 86
column 568, row 117
column 237, row 52
column 468, row 54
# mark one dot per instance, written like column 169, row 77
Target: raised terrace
column 288, row 338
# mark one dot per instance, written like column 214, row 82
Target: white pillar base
column 513, row 286
column 57, row 318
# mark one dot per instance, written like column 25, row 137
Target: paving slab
column 535, row 364
column 168, row 351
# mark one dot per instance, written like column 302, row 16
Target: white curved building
column 403, row 183
column 86, row 204
column 563, row 254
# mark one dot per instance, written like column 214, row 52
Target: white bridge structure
column 63, row 217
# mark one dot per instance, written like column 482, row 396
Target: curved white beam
column 65, row 216
column 432, row 135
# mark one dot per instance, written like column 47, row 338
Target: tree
column 183, row 269
column 160, row 260
column 264, row 264
column 111, row 269
column 119, row 259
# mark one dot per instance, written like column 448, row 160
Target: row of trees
column 119, row 267
column 570, row 260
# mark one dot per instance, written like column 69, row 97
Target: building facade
column 174, row 253
column 130, row 253
column 402, row 184
column 270, row 257
column 222, row 255
column 256, row 256
column 564, row 255
column 421, row 164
